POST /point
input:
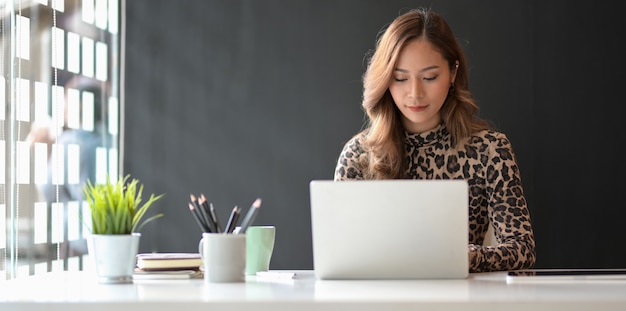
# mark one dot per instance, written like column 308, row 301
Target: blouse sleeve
column 508, row 214
column 348, row 165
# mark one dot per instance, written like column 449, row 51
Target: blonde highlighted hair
column 384, row 135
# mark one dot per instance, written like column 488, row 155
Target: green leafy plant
column 116, row 206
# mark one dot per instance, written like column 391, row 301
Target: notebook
column 389, row 229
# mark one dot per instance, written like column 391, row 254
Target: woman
column 422, row 124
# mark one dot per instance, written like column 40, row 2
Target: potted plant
column 117, row 215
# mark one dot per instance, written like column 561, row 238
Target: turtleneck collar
column 438, row 134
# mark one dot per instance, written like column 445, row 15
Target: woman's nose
column 416, row 90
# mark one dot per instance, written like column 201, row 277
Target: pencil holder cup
column 223, row 257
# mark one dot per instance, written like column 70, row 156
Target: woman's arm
column 508, row 213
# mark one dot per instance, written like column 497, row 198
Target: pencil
column 247, row 221
column 201, row 213
column 232, row 220
column 213, row 214
column 214, row 223
column 196, row 216
column 204, row 207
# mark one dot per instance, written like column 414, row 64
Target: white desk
column 69, row 291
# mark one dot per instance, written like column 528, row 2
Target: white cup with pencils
column 223, row 257
column 223, row 250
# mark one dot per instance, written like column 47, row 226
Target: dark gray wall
column 241, row 99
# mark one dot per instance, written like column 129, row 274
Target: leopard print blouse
column 496, row 196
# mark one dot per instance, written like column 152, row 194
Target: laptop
column 389, row 229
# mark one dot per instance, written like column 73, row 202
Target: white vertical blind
column 62, row 98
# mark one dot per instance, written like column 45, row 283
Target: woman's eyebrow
column 421, row 70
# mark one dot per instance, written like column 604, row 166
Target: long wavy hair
column 384, row 132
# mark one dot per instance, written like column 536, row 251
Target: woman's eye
column 400, row 79
column 431, row 78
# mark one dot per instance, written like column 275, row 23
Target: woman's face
column 420, row 84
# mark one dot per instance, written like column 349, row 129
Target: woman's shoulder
column 492, row 142
column 350, row 162
column 489, row 136
column 354, row 145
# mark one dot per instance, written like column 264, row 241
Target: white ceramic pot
column 114, row 256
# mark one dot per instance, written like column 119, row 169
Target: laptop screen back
column 390, row 229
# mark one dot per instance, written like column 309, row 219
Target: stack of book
column 168, row 266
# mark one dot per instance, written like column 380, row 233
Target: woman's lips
column 417, row 108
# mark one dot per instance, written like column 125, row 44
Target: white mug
column 223, row 256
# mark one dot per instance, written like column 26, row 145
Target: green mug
column 259, row 248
